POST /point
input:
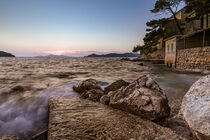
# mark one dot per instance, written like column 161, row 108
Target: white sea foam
column 24, row 115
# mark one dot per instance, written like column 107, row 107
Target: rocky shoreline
column 143, row 98
column 107, row 71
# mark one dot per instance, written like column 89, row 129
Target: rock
column 141, row 64
column 142, row 97
column 86, row 85
column 125, row 59
column 93, row 94
column 150, row 82
column 142, row 57
column 17, row 88
column 73, row 118
column 206, row 72
column 105, row 99
column 195, row 108
column 115, row 86
column 9, row 138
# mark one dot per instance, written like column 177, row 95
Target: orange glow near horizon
column 58, row 52
column 71, row 52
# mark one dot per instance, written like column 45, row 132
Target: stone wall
column 193, row 58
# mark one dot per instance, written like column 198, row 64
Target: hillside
column 5, row 54
column 114, row 55
column 52, row 56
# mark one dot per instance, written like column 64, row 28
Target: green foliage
column 155, row 30
column 166, row 5
column 155, row 33
column 200, row 7
column 138, row 48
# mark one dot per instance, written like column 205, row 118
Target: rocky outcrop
column 89, row 89
column 115, row 86
column 142, row 97
column 105, row 99
column 76, row 118
column 195, row 108
column 86, row 85
column 5, row 54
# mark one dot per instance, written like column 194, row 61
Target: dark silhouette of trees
column 168, row 6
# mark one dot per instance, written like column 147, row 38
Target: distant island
column 114, row 55
column 52, row 55
column 5, row 54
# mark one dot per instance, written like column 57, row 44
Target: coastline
column 35, row 75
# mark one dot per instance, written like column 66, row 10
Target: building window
column 168, row 48
column 172, row 47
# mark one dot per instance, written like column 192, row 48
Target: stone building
column 171, row 45
column 191, row 50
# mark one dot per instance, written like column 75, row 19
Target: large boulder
column 115, row 86
column 142, row 97
column 73, row 118
column 86, row 85
column 195, row 108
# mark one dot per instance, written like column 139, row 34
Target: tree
column 155, row 30
column 200, row 7
column 155, row 33
column 170, row 6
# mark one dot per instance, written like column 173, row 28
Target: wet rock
column 105, row 99
column 126, row 59
column 17, row 89
column 142, row 97
column 115, row 86
column 9, row 138
column 93, row 94
column 86, row 85
column 76, row 118
column 141, row 64
column 195, row 108
column 61, row 75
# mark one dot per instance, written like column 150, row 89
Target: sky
column 72, row 27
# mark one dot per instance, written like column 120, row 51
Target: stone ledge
column 75, row 118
